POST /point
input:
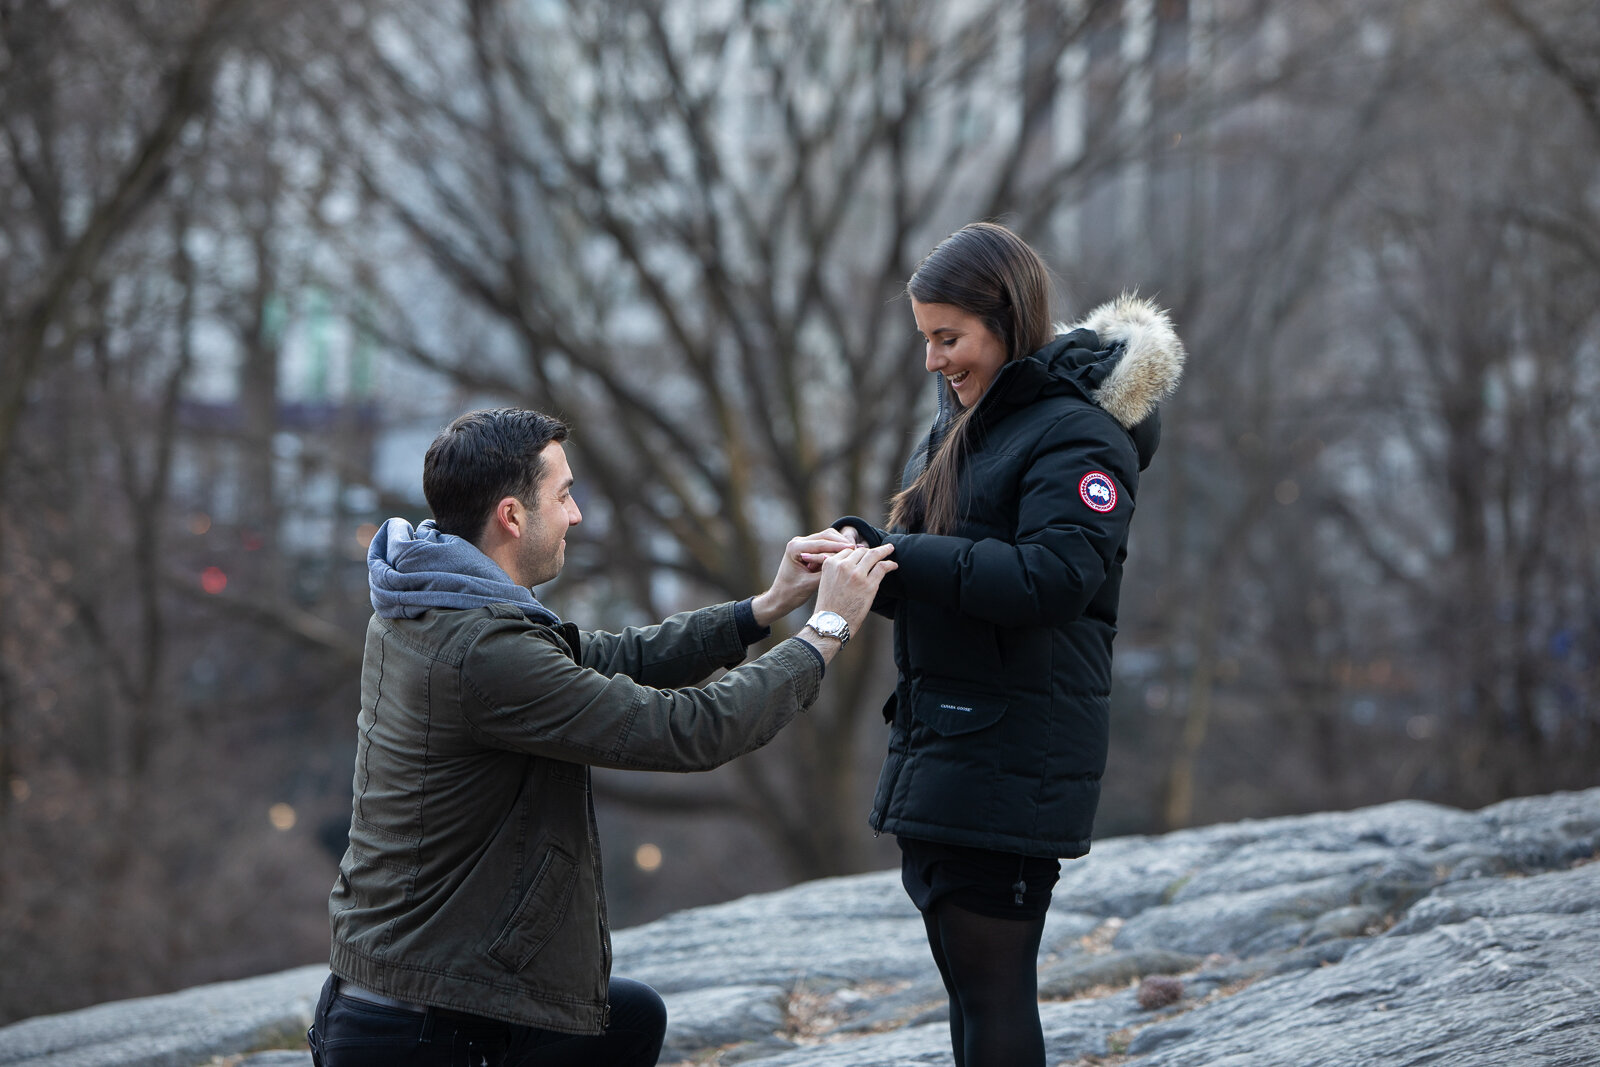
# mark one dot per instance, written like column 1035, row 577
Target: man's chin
column 548, row 575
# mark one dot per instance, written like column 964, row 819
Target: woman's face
column 960, row 347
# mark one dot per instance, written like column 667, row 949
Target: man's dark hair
column 482, row 458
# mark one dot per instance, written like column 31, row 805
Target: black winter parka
column 1003, row 628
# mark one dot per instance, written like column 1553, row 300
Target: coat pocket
column 951, row 713
column 540, row 913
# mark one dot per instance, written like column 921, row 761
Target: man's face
column 550, row 512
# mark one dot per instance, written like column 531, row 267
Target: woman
column 1010, row 534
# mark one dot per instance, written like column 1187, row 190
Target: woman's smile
column 961, row 347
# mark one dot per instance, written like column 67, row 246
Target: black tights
column 990, row 970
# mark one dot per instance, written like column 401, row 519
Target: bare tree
column 120, row 122
column 38, row 111
column 688, row 228
column 1561, row 35
column 1494, row 309
column 1392, row 612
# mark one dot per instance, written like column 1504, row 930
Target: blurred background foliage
column 253, row 255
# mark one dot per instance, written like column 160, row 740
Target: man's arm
column 681, row 650
column 687, row 648
column 529, row 696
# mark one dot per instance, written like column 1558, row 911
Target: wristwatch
column 830, row 624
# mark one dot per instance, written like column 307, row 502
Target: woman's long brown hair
column 987, row 271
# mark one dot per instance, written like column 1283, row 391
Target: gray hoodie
column 412, row 570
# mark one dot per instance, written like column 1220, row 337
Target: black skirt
column 1002, row 885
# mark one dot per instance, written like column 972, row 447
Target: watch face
column 829, row 624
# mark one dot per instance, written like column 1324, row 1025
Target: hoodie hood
column 413, row 570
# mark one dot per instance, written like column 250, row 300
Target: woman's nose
column 931, row 358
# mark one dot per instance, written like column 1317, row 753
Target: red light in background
column 213, row 580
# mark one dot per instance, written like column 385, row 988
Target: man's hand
column 850, row 580
column 798, row 575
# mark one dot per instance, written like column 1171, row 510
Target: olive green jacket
column 472, row 881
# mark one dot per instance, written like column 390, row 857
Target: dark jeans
column 350, row 1032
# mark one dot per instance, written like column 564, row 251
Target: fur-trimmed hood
column 1149, row 356
column 1124, row 356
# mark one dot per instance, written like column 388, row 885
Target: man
column 469, row 917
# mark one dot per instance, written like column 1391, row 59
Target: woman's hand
column 850, row 534
column 845, row 537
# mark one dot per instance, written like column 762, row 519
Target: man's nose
column 574, row 516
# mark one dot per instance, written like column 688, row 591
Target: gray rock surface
column 175, row 1030
column 1405, row 934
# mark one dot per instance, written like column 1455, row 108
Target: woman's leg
column 990, row 967
column 956, row 1035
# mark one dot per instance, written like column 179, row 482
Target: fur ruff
column 1151, row 365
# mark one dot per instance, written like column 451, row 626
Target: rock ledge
column 1402, row 934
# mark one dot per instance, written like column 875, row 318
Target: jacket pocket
column 951, row 713
column 540, row 913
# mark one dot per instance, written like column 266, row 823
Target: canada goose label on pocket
column 950, row 714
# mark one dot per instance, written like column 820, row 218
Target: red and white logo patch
column 1098, row 491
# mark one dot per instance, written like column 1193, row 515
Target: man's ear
column 508, row 519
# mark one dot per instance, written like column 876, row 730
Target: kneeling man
column 468, row 917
